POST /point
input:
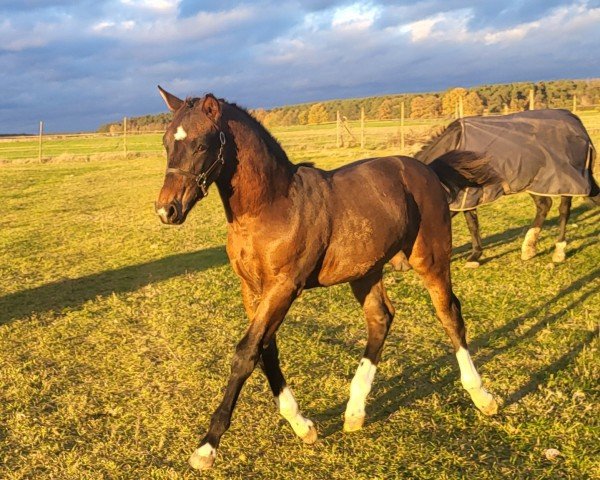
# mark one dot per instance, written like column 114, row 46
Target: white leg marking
column 559, row 253
column 290, row 411
column 529, row 244
column 471, row 381
column 203, row 457
column 359, row 389
column 180, row 134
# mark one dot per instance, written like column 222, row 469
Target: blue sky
column 76, row 65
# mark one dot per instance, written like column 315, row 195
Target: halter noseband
column 201, row 179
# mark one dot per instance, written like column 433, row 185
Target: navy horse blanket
column 544, row 152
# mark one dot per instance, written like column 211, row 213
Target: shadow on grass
column 579, row 213
column 419, row 381
column 74, row 292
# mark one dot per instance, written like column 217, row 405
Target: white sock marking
column 206, row 450
column 471, row 380
column 559, row 253
column 289, row 410
column 529, row 243
column 180, row 134
column 360, row 388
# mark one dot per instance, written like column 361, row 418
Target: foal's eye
column 200, row 148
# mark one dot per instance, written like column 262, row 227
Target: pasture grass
column 116, row 334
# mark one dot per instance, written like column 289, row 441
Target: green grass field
column 116, row 334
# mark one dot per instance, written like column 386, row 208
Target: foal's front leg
column 269, row 314
column 284, row 398
column 269, row 363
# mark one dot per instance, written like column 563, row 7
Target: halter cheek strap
column 201, row 178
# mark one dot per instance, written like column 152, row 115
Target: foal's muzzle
column 169, row 213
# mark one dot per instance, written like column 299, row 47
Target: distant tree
column 259, row 114
column 426, row 106
column 472, row 104
column 384, row 112
column 303, row 117
column 317, row 114
column 450, row 100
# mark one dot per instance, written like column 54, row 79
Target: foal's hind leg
column 434, row 268
column 565, row 212
column 542, row 205
column 379, row 314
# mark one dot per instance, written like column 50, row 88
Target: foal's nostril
column 167, row 213
column 171, row 212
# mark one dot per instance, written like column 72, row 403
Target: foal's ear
column 171, row 100
column 211, row 107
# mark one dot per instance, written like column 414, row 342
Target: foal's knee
column 244, row 359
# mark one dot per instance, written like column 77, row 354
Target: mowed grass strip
column 116, row 334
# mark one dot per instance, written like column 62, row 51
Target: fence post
column 402, row 127
column 574, row 103
column 125, row 137
column 338, row 129
column 531, row 100
column 40, row 142
column 460, row 107
column 362, row 127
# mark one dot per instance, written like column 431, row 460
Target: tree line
column 485, row 99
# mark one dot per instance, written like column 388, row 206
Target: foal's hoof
column 490, row 409
column 472, row 264
column 528, row 253
column 353, row 424
column 311, row 436
column 203, row 458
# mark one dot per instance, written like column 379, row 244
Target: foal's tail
column 460, row 169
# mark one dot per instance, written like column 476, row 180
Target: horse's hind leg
column 477, row 250
column 565, row 212
column 434, row 268
column 542, row 205
column 379, row 314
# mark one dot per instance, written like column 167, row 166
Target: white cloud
column 421, row 29
column 156, row 5
column 509, row 34
column 356, row 16
column 164, row 29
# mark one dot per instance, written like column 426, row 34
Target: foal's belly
column 357, row 252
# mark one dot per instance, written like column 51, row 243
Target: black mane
column 274, row 146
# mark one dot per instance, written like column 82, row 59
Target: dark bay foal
column 292, row 227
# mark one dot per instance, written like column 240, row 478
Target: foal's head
column 194, row 142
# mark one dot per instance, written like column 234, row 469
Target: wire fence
column 401, row 133
column 85, row 146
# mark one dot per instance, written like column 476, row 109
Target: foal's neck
column 260, row 173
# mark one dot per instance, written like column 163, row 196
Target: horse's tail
column 461, row 169
column 594, row 190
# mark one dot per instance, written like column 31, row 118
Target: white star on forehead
column 180, row 134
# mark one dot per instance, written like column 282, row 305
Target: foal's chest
column 244, row 258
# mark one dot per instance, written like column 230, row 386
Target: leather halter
column 201, row 178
